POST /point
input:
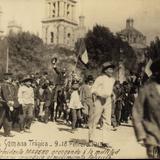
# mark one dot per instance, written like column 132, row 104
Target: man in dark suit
column 48, row 101
column 6, row 105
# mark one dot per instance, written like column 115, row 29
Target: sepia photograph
column 79, row 79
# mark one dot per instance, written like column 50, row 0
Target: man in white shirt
column 26, row 99
column 101, row 92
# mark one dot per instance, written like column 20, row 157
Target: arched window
column 52, row 37
column 68, row 35
column 53, row 11
column 68, row 8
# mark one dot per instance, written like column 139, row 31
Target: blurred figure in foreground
column 146, row 113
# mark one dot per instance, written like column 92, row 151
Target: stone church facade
column 135, row 38
column 132, row 35
column 59, row 27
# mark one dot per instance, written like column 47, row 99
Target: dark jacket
column 15, row 96
column 6, row 94
column 61, row 77
column 40, row 94
column 48, row 98
column 146, row 114
column 9, row 92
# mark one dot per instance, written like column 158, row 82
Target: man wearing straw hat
column 26, row 100
column 102, row 90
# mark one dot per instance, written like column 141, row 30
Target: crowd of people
column 35, row 97
column 88, row 103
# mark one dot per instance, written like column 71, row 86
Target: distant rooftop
column 130, row 28
column 135, row 38
column 13, row 23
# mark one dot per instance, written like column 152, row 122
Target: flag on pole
column 84, row 57
column 82, row 52
column 147, row 68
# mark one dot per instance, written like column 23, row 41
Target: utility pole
column 7, row 61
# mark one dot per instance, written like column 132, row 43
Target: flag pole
column 78, row 55
column 7, row 63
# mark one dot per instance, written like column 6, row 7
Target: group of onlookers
column 86, row 103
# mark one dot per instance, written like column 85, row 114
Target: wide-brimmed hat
column 26, row 79
column 155, row 66
column 89, row 78
column 7, row 75
column 107, row 65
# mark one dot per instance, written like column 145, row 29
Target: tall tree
column 25, row 52
column 102, row 45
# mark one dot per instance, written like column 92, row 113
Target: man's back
column 146, row 113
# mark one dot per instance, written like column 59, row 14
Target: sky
column 111, row 13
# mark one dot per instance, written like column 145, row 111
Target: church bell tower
column 59, row 24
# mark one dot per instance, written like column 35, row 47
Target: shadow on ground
column 65, row 130
column 127, row 125
column 83, row 142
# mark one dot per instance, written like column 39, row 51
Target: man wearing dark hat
column 6, row 105
column 48, row 97
column 26, row 99
column 146, row 113
column 117, row 107
column 102, row 90
column 51, row 90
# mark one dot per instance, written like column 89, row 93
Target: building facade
column 60, row 27
column 135, row 38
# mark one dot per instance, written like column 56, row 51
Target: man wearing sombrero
column 102, row 90
column 26, row 99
